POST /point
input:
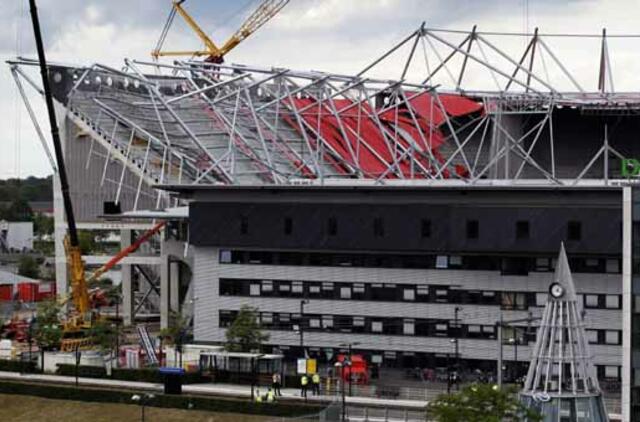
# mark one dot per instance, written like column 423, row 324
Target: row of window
column 506, row 265
column 521, row 228
column 391, row 292
column 402, row 326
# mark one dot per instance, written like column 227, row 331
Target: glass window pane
column 613, row 301
column 612, row 337
column 254, row 289
column 376, row 326
column 409, row 294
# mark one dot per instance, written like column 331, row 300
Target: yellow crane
column 263, row 13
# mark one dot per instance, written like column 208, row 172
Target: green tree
column 42, row 224
column 47, row 331
column 245, row 333
column 103, row 334
column 87, row 242
column 28, row 267
column 481, row 403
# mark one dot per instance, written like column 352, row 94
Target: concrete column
column 627, row 367
column 60, row 231
column 174, row 286
column 164, row 290
column 127, row 282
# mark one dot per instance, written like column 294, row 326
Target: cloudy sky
column 330, row 35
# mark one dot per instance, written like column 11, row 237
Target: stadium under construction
column 414, row 222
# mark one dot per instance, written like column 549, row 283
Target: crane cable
column 165, row 31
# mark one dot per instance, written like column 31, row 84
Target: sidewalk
column 228, row 390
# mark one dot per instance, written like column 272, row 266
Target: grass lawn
column 29, row 408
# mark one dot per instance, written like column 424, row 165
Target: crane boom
column 263, row 13
column 260, row 16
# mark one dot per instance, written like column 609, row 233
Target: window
column 409, row 327
column 378, row 227
column 345, row 292
column 244, row 224
column 513, row 300
column 612, row 337
column 612, row 372
column 267, row 285
column 522, row 229
column 423, row 290
column 332, row 226
column 358, row 321
column 409, row 294
column 297, row 287
column 254, row 289
column 358, row 288
column 592, row 336
column 473, row 229
column 590, row 301
column 455, row 261
column 574, row 230
column 612, row 302
column 225, row 256
column 327, row 285
column 543, row 264
column 376, row 326
column 613, row 266
column 541, row 299
column 425, row 228
column 474, row 329
column 442, row 261
column 284, row 286
column 267, row 318
column 327, row 321
column 441, row 329
column 314, row 323
column 314, row 288
column 288, row 226
column 442, row 295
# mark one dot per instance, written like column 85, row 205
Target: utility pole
column 302, row 303
column 457, row 347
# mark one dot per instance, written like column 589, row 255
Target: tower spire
column 561, row 377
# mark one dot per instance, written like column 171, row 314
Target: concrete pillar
column 164, row 290
column 127, row 282
column 174, row 286
column 60, row 231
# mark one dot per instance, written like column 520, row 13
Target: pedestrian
column 271, row 396
column 276, row 383
column 315, row 379
column 304, row 382
column 258, row 396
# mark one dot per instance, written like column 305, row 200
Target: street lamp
column 344, row 407
column 143, row 400
column 302, row 303
column 348, row 363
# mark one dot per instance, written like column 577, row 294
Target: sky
column 340, row 36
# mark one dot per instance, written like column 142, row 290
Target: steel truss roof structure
column 202, row 123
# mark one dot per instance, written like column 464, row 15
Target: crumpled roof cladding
column 371, row 150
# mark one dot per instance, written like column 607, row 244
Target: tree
column 245, row 333
column 18, row 210
column 87, row 242
column 42, row 224
column 28, row 267
column 47, row 330
column 481, row 403
column 103, row 335
column 177, row 332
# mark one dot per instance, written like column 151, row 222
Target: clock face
column 556, row 290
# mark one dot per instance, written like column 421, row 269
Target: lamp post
column 344, row 407
column 349, row 346
column 143, row 400
column 302, row 303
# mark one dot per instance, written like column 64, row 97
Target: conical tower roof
column 561, row 375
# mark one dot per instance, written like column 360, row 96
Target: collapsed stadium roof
column 202, row 123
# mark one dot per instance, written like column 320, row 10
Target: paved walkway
column 229, row 390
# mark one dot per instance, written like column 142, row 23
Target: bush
column 141, row 375
column 17, row 366
column 213, row 404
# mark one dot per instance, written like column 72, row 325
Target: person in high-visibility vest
column 271, row 396
column 315, row 379
column 304, row 382
column 258, row 396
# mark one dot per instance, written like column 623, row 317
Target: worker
column 258, row 396
column 276, row 383
column 304, row 382
column 271, row 396
column 315, row 379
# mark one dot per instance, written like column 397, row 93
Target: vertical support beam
column 603, row 65
column 126, row 237
column 174, row 285
column 627, row 368
column 164, row 288
column 60, row 229
column 472, row 37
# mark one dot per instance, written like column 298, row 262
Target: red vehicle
column 357, row 368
